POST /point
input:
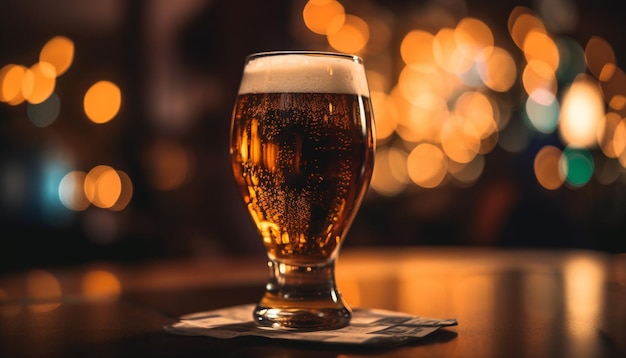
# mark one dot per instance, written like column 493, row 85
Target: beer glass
column 302, row 153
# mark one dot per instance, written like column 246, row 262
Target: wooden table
column 509, row 303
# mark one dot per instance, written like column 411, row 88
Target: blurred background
column 498, row 123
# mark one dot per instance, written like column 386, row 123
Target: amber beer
column 302, row 162
column 302, row 153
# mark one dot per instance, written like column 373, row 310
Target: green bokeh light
column 578, row 166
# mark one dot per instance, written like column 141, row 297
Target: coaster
column 367, row 327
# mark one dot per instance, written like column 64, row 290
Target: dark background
column 191, row 54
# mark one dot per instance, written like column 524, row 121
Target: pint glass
column 302, row 153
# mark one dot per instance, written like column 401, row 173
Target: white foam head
column 302, row 73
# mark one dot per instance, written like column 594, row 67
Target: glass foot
column 302, row 319
column 302, row 297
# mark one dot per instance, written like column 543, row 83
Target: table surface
column 508, row 302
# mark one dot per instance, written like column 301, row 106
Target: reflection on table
column 509, row 303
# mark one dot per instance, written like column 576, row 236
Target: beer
column 302, row 153
column 302, row 162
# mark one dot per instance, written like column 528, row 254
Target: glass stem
column 302, row 297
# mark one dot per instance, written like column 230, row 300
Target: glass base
column 302, row 297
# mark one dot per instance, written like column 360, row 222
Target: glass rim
column 347, row 56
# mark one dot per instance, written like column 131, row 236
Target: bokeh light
column 496, row 68
column 582, row 111
column 385, row 113
column 416, row 48
column 612, row 135
column 11, row 80
column 459, row 144
column 539, row 78
column 522, row 21
column 448, row 54
column 598, row 53
column 538, row 46
column 577, row 166
column 102, row 101
column 613, row 87
column 323, row 16
column 547, row 168
column 351, row 37
column 38, row 83
column 58, row 52
column 427, row 165
column 126, row 192
column 473, row 36
column 447, row 94
column 543, row 114
column 466, row 174
column 103, row 186
column 390, row 173
column 72, row 192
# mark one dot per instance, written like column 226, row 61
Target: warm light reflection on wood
column 583, row 304
column 426, row 290
column 8, row 309
column 529, row 289
column 42, row 286
column 350, row 290
column 540, row 301
column 101, row 285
